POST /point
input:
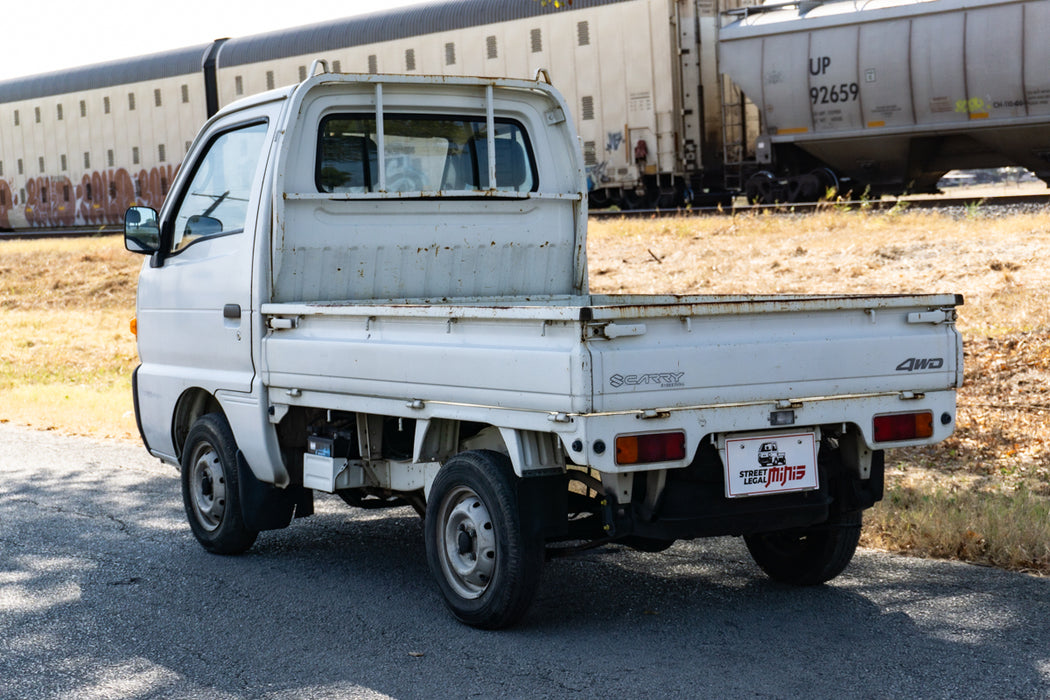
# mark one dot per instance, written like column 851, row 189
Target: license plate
column 768, row 464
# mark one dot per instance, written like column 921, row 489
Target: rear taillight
column 897, row 427
column 654, row 447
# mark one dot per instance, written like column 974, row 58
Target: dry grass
column 989, row 523
column 68, row 273
column 66, row 355
column 66, row 352
column 998, row 264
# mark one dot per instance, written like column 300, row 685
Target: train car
column 676, row 101
column 889, row 95
column 78, row 147
column 631, row 69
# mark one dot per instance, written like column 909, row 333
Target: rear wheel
column 210, row 491
column 809, row 556
column 485, row 563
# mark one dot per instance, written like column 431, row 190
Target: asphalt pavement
column 105, row 594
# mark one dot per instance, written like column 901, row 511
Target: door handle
column 231, row 311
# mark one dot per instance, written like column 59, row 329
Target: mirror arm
column 157, row 259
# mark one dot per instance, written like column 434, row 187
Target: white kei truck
column 375, row 286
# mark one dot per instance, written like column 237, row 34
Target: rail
column 850, row 205
column 64, row 232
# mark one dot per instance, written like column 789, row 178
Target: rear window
column 422, row 154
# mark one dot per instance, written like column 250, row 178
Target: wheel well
column 193, row 404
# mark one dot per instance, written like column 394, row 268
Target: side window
column 216, row 200
column 422, row 154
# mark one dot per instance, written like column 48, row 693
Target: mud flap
column 543, row 505
column 266, row 507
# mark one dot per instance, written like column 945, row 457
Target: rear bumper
column 592, row 437
column 693, row 503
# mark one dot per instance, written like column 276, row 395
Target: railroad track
column 64, row 232
column 964, row 203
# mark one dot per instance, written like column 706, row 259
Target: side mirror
column 141, row 230
column 200, row 225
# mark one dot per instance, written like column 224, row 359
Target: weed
column 973, row 209
column 998, row 526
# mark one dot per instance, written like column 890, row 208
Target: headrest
column 511, row 164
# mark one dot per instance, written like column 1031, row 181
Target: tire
column 485, row 564
column 807, row 557
column 210, row 487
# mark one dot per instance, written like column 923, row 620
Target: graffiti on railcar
column 104, row 196
column 100, row 197
column 154, row 185
column 7, row 202
column 49, row 202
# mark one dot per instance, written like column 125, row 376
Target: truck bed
column 596, row 354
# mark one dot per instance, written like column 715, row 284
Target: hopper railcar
column 889, row 95
column 675, row 101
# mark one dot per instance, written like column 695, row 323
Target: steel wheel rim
column 207, row 480
column 467, row 543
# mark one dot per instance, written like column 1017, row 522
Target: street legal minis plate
column 779, row 463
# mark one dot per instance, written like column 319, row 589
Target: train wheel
column 671, row 196
column 804, row 188
column 760, row 188
column 634, row 199
column 599, row 199
column 827, row 183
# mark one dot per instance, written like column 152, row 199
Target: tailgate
column 728, row 350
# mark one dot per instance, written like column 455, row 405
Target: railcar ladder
column 734, row 134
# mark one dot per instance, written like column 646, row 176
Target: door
column 195, row 307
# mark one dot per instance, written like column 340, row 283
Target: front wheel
column 485, row 563
column 210, row 491
column 808, row 556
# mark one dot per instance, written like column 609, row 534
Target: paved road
column 104, row 594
